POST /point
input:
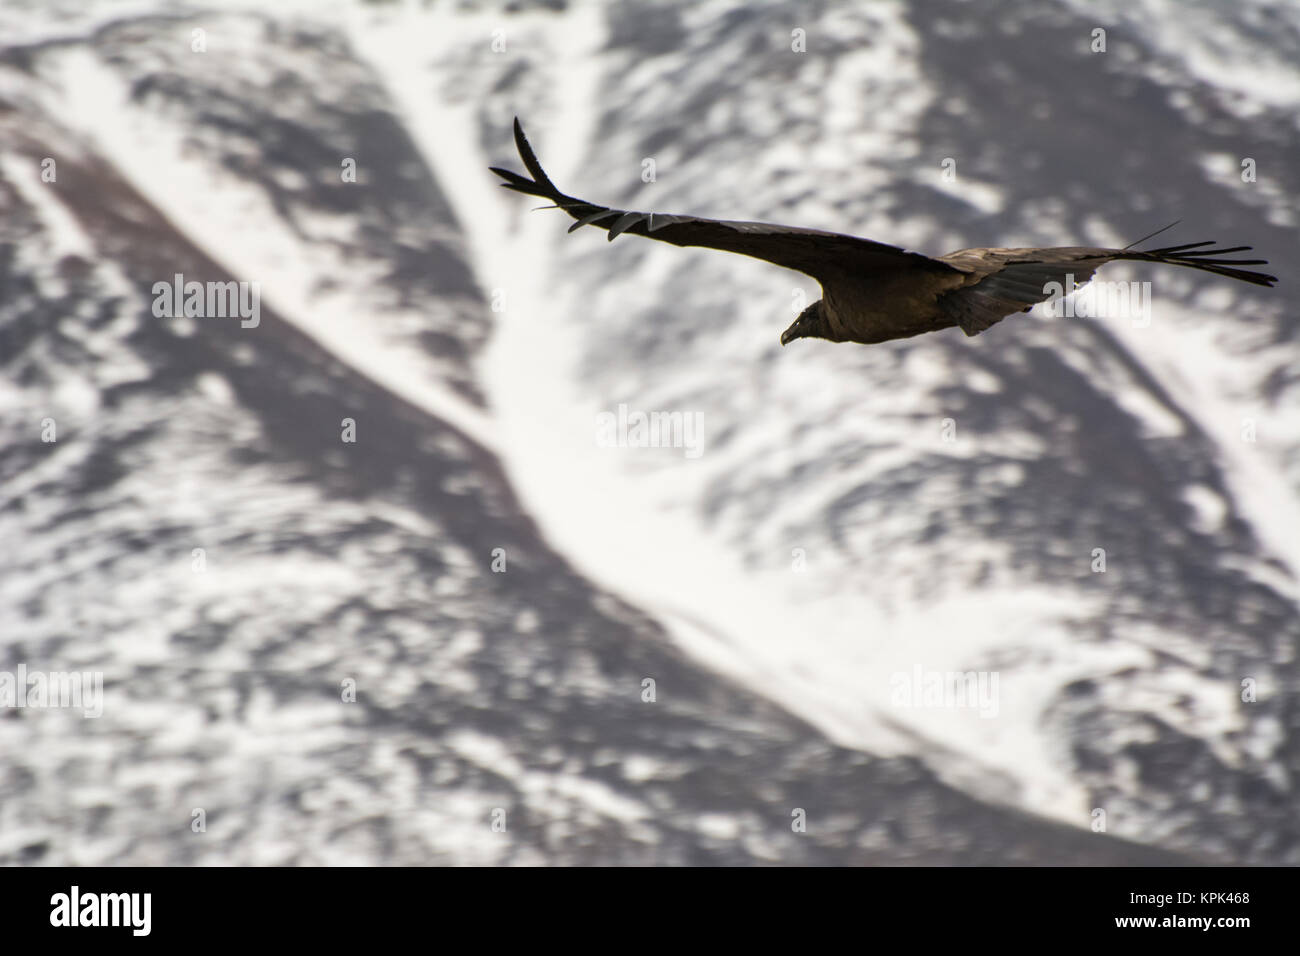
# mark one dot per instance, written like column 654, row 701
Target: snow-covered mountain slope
column 856, row 515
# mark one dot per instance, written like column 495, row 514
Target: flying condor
column 872, row 292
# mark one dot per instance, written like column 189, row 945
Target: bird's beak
column 788, row 336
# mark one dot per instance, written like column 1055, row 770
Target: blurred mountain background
column 498, row 585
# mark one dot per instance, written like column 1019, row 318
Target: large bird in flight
column 872, row 292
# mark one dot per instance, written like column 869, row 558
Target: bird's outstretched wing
column 819, row 254
column 1007, row 281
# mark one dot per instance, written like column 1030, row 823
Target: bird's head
column 810, row 324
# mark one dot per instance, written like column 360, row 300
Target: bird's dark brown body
column 880, row 308
column 872, row 292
